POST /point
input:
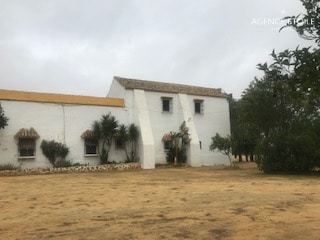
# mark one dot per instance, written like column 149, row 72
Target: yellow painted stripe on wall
column 59, row 98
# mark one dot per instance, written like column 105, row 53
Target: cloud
column 77, row 46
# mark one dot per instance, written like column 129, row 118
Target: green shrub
column 54, row 151
column 289, row 152
column 179, row 142
column 104, row 131
column 171, row 153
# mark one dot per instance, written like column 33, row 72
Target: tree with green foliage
column 243, row 142
column 223, row 145
column 177, row 153
column 282, row 109
column 235, row 128
column 129, row 136
column 56, row 153
column 3, row 119
column 104, row 131
column 133, row 134
column 307, row 25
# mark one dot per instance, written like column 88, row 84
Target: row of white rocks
column 75, row 169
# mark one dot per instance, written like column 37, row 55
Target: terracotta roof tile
column 167, row 137
column 27, row 133
column 88, row 134
column 169, row 87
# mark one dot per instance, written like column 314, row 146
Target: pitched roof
column 59, row 98
column 169, row 87
column 88, row 134
column 27, row 133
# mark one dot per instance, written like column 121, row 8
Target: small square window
column 90, row 146
column 166, row 104
column 27, row 147
column 198, row 106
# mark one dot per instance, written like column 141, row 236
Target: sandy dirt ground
column 167, row 203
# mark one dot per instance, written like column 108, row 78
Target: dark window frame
column 198, row 106
column 166, row 104
column 90, row 147
column 27, row 147
column 167, row 145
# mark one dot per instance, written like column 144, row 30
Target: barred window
column 90, row 146
column 167, row 145
column 27, row 142
column 90, row 143
column 27, row 147
column 166, row 104
column 198, row 106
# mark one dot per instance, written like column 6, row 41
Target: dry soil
column 167, row 203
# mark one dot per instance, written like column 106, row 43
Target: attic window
column 27, row 143
column 198, row 106
column 166, row 104
column 90, row 143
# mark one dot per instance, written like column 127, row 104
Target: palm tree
column 129, row 136
column 104, row 131
column 133, row 133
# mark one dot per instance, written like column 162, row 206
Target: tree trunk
column 230, row 160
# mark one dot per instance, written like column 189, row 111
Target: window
column 90, row 146
column 27, row 147
column 167, row 141
column 198, row 106
column 166, row 104
column 90, row 143
column 167, row 145
column 27, row 143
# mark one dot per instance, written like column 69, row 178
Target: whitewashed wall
column 215, row 119
column 162, row 122
column 65, row 123
column 59, row 122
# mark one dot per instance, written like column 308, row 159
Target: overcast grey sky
column 77, row 46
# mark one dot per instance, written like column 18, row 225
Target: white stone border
column 75, row 169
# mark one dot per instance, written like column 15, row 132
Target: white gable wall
column 116, row 90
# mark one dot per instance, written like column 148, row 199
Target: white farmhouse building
column 155, row 107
